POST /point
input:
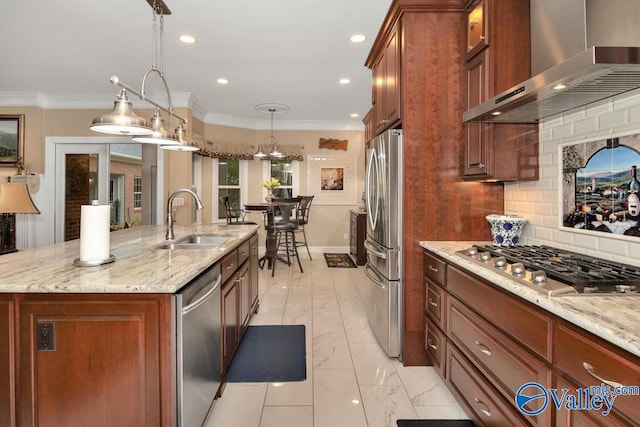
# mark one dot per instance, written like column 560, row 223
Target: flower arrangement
column 271, row 184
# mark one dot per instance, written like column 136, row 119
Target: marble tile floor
column 350, row 380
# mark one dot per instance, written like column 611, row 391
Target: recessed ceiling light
column 187, row 39
column 222, row 81
column 355, row 115
column 559, row 86
column 344, row 81
column 357, row 38
column 496, row 113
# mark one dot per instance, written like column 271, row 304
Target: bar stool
column 284, row 223
column 305, row 207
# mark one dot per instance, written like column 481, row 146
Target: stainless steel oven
column 198, row 344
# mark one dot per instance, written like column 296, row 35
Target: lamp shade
column 160, row 134
column 185, row 145
column 121, row 120
column 15, row 198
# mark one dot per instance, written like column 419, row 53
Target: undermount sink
column 196, row 241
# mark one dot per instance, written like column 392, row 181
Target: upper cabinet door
column 476, row 28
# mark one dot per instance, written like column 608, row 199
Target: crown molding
column 178, row 100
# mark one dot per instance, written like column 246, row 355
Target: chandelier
column 123, row 121
column 270, row 143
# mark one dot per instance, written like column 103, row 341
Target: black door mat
column 435, row 423
column 339, row 260
column 270, row 353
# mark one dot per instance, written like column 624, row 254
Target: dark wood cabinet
column 239, row 296
column 498, row 57
column 230, row 320
column 7, row 362
column 386, row 84
column 496, row 342
column 253, row 273
column 94, row 360
column 357, row 236
column 590, row 362
column 368, row 126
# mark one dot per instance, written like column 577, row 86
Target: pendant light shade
column 161, row 135
column 260, row 153
column 271, row 142
column 121, row 120
column 184, row 142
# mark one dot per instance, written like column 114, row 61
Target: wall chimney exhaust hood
column 590, row 76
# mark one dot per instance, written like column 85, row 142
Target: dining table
column 271, row 243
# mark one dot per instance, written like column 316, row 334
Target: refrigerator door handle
column 374, row 276
column 369, row 247
column 373, row 213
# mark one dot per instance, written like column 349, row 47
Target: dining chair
column 234, row 216
column 305, row 207
column 282, row 221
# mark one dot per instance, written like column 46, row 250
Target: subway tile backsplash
column 539, row 201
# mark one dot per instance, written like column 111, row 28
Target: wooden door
column 244, row 281
column 253, row 274
column 90, row 362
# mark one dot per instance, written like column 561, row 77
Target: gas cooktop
column 556, row 272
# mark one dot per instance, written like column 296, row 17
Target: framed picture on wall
column 333, row 180
column 11, row 139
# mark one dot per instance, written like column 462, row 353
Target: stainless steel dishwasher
column 198, row 344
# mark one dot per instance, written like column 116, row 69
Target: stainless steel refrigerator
column 383, row 197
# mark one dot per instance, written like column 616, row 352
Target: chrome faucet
column 169, row 235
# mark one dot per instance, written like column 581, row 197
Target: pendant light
column 122, row 120
column 160, row 134
column 271, row 142
column 184, row 143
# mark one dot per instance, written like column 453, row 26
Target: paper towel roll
column 94, row 232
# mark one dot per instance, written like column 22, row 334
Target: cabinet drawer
column 436, row 303
column 590, row 363
column 479, row 397
column 491, row 351
column 229, row 265
column 434, row 268
column 526, row 324
column 243, row 252
column 435, row 344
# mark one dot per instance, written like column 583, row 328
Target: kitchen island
column 96, row 345
column 490, row 335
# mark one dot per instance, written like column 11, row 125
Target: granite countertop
column 139, row 267
column 613, row 318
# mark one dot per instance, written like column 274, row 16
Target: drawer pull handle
column 435, row 304
column 482, row 407
column 483, row 348
column 431, row 344
column 432, row 268
column 591, row 372
column 230, row 266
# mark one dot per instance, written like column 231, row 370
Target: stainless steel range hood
column 593, row 75
column 562, row 35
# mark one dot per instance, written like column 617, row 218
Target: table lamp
column 14, row 199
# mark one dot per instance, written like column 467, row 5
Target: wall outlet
column 178, row 201
column 346, row 236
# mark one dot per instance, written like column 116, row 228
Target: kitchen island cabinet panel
column 7, row 362
column 93, row 360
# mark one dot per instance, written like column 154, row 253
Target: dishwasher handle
column 213, row 288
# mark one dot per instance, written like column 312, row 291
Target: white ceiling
column 61, row 53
